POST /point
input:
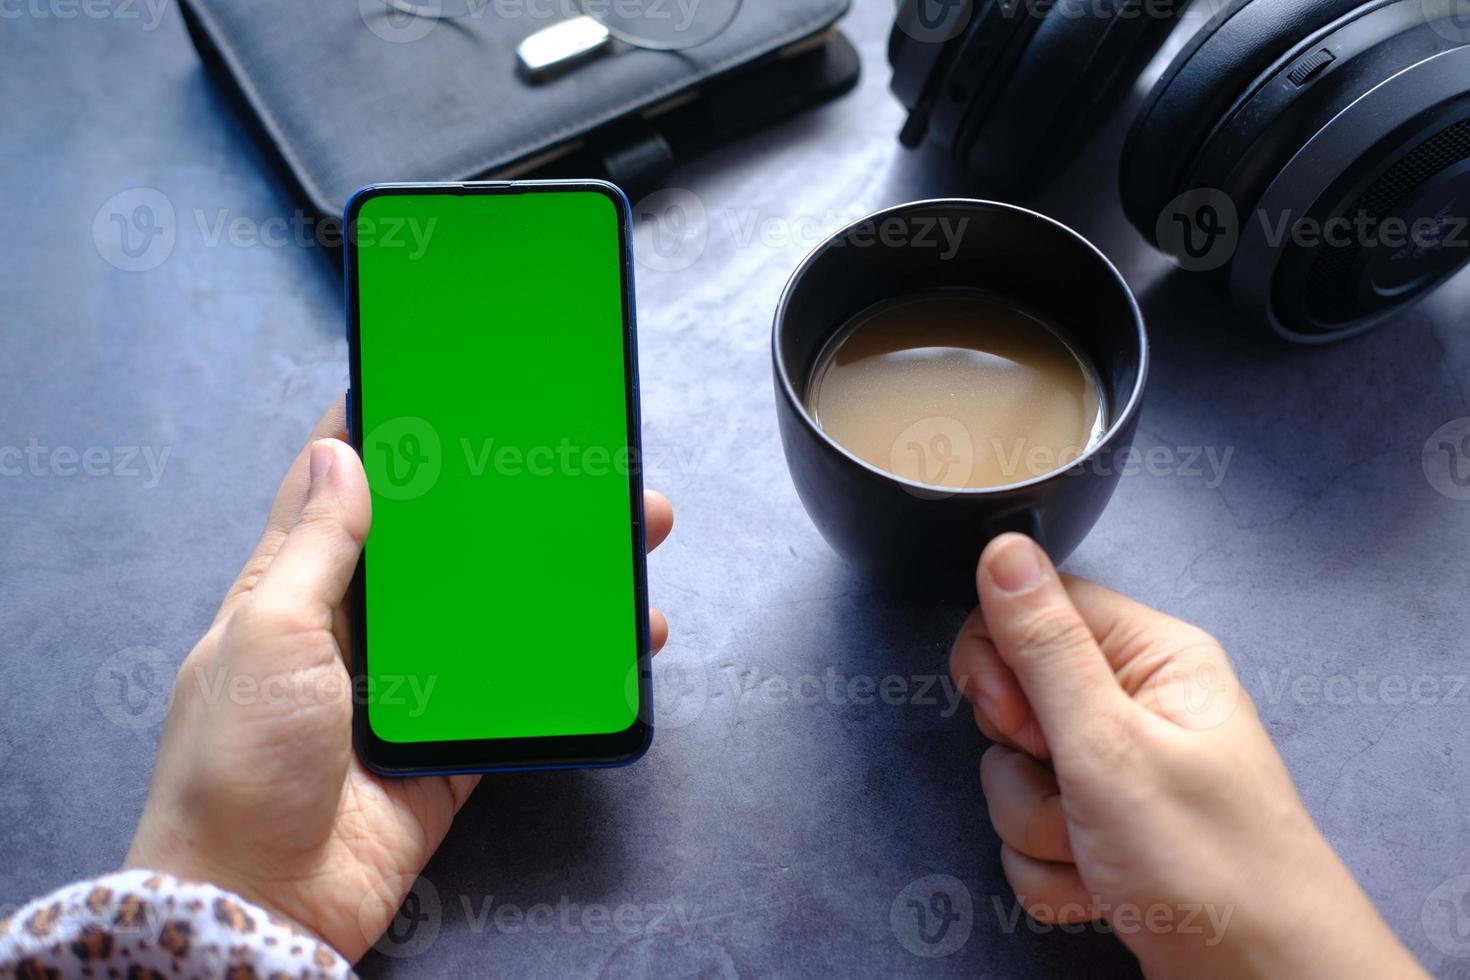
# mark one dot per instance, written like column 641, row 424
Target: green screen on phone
column 502, row 589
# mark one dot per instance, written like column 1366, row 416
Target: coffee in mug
column 957, row 388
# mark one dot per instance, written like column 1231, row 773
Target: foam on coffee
column 957, row 388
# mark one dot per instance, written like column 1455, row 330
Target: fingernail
column 1006, row 726
column 990, row 689
column 1017, row 567
column 322, row 458
column 987, row 708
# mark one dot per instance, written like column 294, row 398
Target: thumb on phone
column 315, row 564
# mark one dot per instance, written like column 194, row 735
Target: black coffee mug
column 909, row 532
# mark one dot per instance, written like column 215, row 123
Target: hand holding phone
column 256, row 788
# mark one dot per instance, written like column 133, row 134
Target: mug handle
column 1026, row 521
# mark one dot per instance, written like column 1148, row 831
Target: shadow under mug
column 912, row 533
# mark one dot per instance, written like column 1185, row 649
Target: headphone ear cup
column 1290, row 152
column 1199, row 89
column 1008, row 86
column 1078, row 66
column 929, row 50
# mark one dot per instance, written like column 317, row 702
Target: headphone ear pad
column 1200, row 88
column 1077, row 65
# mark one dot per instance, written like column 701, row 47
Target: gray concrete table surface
column 781, row 823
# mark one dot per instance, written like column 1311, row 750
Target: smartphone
column 499, row 611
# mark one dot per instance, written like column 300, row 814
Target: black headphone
column 1312, row 155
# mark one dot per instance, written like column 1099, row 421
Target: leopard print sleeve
column 147, row 926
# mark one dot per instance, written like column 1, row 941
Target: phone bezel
column 503, row 754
